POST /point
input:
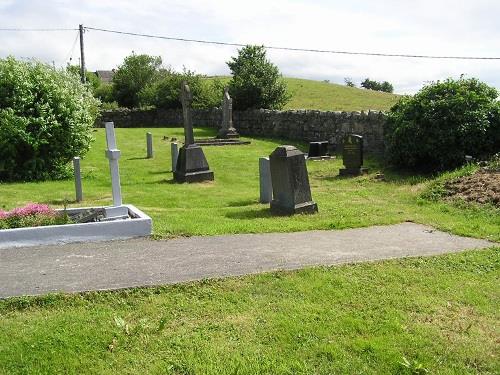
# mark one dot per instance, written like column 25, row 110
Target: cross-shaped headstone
column 186, row 100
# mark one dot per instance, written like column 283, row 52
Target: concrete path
column 139, row 262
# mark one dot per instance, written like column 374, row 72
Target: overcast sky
column 426, row 27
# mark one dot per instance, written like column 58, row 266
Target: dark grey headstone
column 318, row 149
column 192, row 166
column 290, row 181
column 352, row 155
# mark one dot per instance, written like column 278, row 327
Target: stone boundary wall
column 302, row 125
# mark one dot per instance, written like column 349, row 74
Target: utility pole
column 82, row 56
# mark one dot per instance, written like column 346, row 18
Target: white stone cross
column 113, row 154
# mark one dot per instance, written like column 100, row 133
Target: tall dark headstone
column 227, row 129
column 192, row 166
column 352, row 155
column 291, row 190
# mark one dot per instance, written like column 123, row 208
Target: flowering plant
column 31, row 215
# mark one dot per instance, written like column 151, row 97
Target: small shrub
column 46, row 118
column 349, row 82
column 434, row 129
column 31, row 215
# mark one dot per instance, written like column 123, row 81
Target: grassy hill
column 309, row 94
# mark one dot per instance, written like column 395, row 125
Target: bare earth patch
column 481, row 187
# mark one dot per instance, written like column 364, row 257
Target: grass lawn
column 230, row 204
column 394, row 317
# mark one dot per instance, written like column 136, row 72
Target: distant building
column 105, row 75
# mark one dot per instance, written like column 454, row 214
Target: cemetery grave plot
column 117, row 221
column 230, row 204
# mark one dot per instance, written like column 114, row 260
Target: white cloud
column 418, row 27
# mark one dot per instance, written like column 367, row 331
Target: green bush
column 256, row 82
column 136, row 72
column 434, row 129
column 104, row 92
column 164, row 92
column 377, row 86
column 46, row 117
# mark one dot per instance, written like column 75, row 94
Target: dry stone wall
column 302, row 125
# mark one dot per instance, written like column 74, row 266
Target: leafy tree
column 443, row 122
column 256, row 82
column 377, row 86
column 165, row 90
column 136, row 72
column 46, row 118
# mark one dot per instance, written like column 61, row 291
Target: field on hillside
column 309, row 94
column 230, row 204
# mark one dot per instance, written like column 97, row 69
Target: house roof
column 105, row 75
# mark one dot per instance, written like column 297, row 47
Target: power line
column 69, row 55
column 295, row 49
column 21, row 29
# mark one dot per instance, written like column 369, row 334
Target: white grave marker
column 113, row 154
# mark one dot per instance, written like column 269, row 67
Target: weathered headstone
column 78, row 179
column 227, row 130
column 291, row 189
column 266, row 186
column 149, row 145
column 318, row 150
column 192, row 166
column 113, row 154
column 174, row 153
column 352, row 155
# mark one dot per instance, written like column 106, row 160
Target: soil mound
column 482, row 187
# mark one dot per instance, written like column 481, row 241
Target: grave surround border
column 139, row 225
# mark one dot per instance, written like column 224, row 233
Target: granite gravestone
column 290, row 182
column 352, row 155
column 192, row 166
column 318, row 150
column 227, row 130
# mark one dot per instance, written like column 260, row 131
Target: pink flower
column 3, row 214
column 29, row 210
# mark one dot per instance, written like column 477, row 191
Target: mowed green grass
column 325, row 96
column 438, row 314
column 230, row 204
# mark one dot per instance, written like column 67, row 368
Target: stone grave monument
column 227, row 131
column 118, row 210
column 352, row 156
column 290, row 182
column 318, row 150
column 192, row 166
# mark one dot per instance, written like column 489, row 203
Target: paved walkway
column 140, row 262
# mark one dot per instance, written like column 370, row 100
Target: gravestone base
column 192, row 166
column 227, row 134
column 353, row 171
column 301, row 208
